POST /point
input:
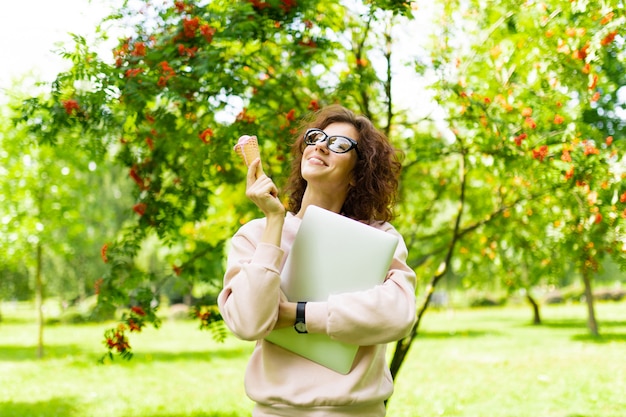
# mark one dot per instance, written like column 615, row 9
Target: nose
column 322, row 145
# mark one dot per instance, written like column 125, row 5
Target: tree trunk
column 402, row 346
column 80, row 281
column 535, row 306
column 591, row 315
column 39, row 302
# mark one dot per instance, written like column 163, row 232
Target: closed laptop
column 331, row 254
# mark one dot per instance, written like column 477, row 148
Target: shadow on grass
column 63, row 407
column 456, row 334
column 26, row 353
column 15, row 320
column 53, row 408
column 199, row 414
column 81, row 356
column 580, row 323
column 601, row 339
column 202, row 355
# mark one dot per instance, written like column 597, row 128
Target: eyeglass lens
column 336, row 144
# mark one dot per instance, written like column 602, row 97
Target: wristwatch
column 300, row 324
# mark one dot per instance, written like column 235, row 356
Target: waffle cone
column 248, row 151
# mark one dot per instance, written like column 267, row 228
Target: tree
column 53, row 214
column 515, row 83
column 185, row 81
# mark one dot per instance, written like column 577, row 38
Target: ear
column 352, row 182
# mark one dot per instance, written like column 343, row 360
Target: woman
column 343, row 164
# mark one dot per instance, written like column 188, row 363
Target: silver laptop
column 331, row 254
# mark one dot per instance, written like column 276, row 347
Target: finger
column 254, row 171
column 265, row 186
column 273, row 190
column 259, row 168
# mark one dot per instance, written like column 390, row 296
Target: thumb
column 259, row 168
column 255, row 170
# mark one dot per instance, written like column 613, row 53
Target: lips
column 316, row 161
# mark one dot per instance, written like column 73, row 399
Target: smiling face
column 330, row 171
column 361, row 185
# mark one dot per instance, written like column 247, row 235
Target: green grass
column 465, row 363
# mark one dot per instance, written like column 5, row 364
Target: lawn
column 465, row 363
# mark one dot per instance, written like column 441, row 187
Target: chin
column 311, row 172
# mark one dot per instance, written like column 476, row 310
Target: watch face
column 300, row 327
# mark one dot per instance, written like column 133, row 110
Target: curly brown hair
column 376, row 172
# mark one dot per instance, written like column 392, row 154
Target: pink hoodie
column 285, row 384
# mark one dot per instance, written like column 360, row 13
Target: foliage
column 527, row 186
column 186, row 81
column 522, row 185
column 51, row 197
column 517, row 92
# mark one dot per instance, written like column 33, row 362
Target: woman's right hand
column 262, row 191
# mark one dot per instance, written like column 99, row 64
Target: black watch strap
column 300, row 324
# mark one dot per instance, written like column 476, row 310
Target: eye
column 340, row 144
column 315, row 137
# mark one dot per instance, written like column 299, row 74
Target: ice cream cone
column 248, row 149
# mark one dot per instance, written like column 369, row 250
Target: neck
column 332, row 202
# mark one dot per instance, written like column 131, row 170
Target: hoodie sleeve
column 383, row 314
column 249, row 299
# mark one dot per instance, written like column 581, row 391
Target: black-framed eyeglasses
column 335, row 143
